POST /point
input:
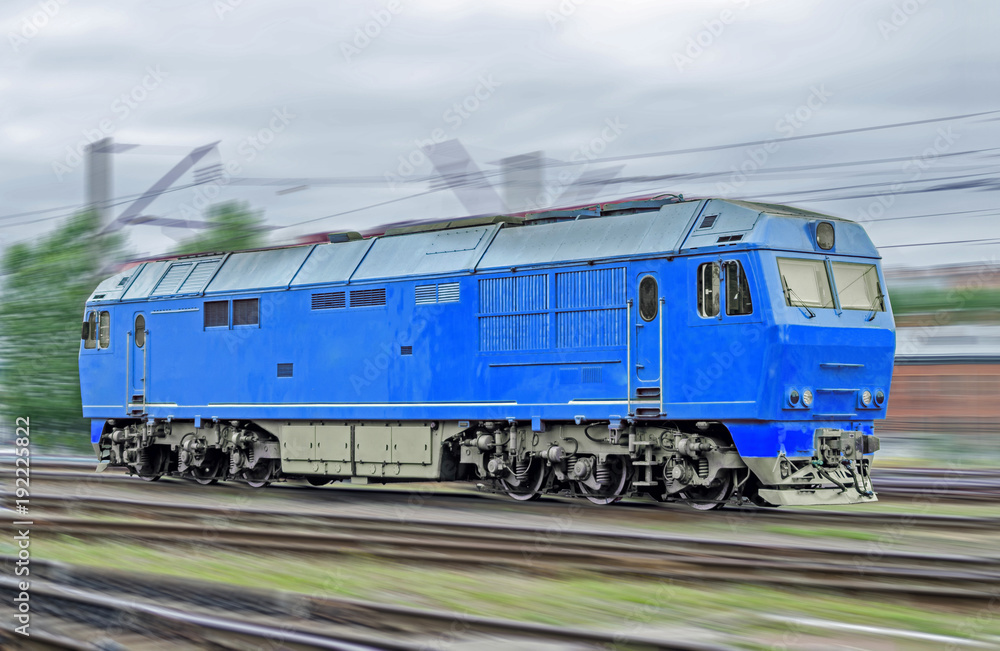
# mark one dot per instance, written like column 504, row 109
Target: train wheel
column 614, row 475
column 318, row 481
column 152, row 463
column 208, row 474
column 532, row 478
column 260, row 475
column 708, row 498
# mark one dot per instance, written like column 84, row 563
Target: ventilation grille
column 172, row 280
column 123, row 281
column 216, row 314
column 448, row 293
column 444, row 293
column 368, row 297
column 591, row 288
column 513, row 294
column 592, row 375
column 99, row 296
column 591, row 328
column 328, row 301
column 729, row 238
column 513, row 332
column 590, row 308
column 425, row 294
column 203, row 271
column 245, row 312
column 406, row 350
column 284, row 370
column 708, row 222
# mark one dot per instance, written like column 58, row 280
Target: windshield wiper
column 876, row 302
column 790, row 294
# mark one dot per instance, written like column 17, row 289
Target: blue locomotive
column 706, row 351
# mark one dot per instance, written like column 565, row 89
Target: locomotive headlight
column 793, row 397
column 807, row 398
column 824, row 235
column 866, row 398
column 879, row 397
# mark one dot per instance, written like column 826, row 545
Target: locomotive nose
column 846, row 371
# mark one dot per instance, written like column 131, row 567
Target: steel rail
column 855, row 516
column 914, row 483
column 648, row 512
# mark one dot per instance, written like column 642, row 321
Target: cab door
column 138, row 362
column 646, row 323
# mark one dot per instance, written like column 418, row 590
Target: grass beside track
column 736, row 613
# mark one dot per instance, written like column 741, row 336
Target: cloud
column 560, row 80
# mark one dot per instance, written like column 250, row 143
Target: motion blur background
column 141, row 128
column 307, row 118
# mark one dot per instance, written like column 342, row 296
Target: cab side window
column 90, row 340
column 737, row 289
column 708, row 289
column 104, row 333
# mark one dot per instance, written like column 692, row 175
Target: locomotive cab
column 828, row 357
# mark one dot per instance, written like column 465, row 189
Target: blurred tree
column 962, row 304
column 232, row 226
column 45, row 286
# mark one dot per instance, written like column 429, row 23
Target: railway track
column 648, row 511
column 157, row 609
column 929, row 484
column 570, row 550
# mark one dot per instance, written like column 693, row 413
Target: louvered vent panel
column 591, row 288
column 203, row 271
column 590, row 328
column 513, row 332
column 513, row 294
column 368, row 297
column 328, row 301
column 448, row 293
column 592, row 375
column 172, row 280
column 425, row 294
column 285, row 370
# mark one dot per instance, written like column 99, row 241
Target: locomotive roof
column 617, row 230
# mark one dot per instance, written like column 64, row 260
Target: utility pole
column 522, row 182
column 99, row 178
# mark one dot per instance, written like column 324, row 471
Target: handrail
column 628, row 357
column 663, row 373
column 145, row 373
column 128, row 368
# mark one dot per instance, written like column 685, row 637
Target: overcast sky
column 342, row 91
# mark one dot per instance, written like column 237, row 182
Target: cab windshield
column 857, row 286
column 806, row 283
